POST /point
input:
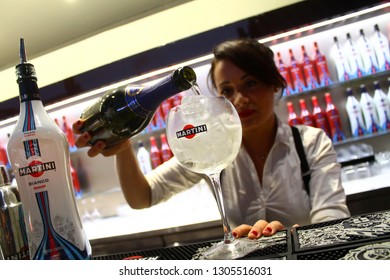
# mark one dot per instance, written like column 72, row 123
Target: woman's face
column 253, row 100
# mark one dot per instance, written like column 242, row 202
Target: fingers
column 241, row 230
column 82, row 140
column 259, row 229
column 96, row 149
column 76, row 126
column 272, row 228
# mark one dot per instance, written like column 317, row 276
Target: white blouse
column 282, row 195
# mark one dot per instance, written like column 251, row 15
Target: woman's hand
column 259, row 229
column 98, row 148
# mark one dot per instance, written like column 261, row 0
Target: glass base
column 238, row 248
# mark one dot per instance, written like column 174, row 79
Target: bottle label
column 133, row 90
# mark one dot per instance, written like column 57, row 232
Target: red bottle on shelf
column 76, row 182
column 296, row 74
column 293, row 118
column 321, row 67
column 155, row 153
column 319, row 116
column 306, row 116
column 165, row 107
column 68, row 132
column 166, row 152
column 285, row 71
column 333, row 118
column 309, row 71
column 176, row 99
column 159, row 119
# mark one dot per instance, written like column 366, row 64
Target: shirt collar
column 283, row 133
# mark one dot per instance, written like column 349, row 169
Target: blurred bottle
column 321, row 66
column 8, row 164
column 155, row 153
column 355, row 61
column 82, row 176
column 355, row 114
column 293, row 118
column 285, row 71
column 3, row 154
column 309, row 71
column 382, row 107
column 381, row 48
column 13, row 235
column 388, row 91
column 165, row 107
column 159, row 119
column 319, row 116
column 306, row 117
column 166, row 152
column 68, row 133
column 176, row 99
column 296, row 74
column 333, row 117
column 369, row 111
column 367, row 54
column 76, row 183
column 143, row 157
column 340, row 60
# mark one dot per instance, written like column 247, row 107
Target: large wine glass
column 205, row 134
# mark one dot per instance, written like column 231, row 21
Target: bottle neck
column 28, row 91
column 27, row 81
column 152, row 96
column 147, row 99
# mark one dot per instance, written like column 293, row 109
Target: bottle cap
column 152, row 140
column 24, row 70
column 184, row 77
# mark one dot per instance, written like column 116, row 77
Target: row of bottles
column 149, row 160
column 328, row 119
column 307, row 74
column 370, row 114
column 366, row 55
column 159, row 119
column 352, row 59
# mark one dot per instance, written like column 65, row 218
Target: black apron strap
column 301, row 152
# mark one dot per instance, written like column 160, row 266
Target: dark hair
column 252, row 57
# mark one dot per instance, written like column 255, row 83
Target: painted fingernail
column 267, row 230
column 100, row 146
column 78, row 122
column 235, row 234
column 86, row 136
column 255, row 233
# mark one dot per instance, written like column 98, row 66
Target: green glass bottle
column 126, row 111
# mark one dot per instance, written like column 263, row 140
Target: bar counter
column 365, row 236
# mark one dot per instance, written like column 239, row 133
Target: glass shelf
column 334, row 85
column 361, row 138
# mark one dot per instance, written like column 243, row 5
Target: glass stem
column 215, row 180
